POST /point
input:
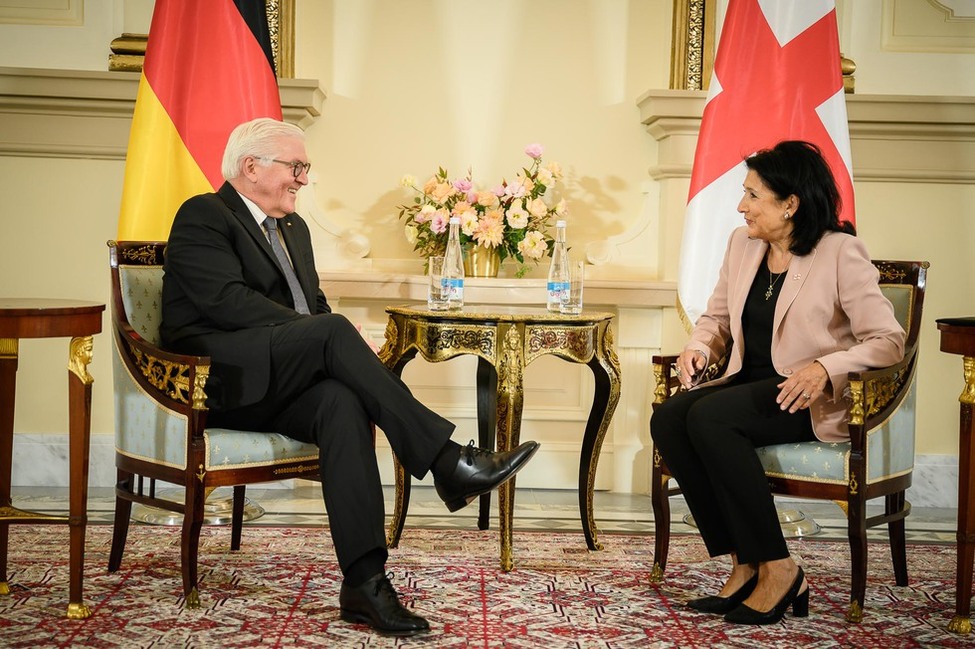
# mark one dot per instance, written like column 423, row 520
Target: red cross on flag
column 776, row 77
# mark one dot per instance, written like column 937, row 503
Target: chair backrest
column 903, row 283
column 137, row 274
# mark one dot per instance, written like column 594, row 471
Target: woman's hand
column 802, row 388
column 689, row 366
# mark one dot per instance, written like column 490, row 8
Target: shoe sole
column 355, row 618
column 460, row 503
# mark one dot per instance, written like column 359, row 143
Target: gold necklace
column 772, row 282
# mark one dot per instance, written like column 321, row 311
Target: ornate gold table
column 505, row 340
column 43, row 318
column 958, row 337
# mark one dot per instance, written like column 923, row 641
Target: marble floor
column 535, row 509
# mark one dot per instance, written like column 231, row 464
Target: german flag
column 208, row 68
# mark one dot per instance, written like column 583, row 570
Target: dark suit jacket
column 223, row 290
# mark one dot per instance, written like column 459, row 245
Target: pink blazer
column 830, row 309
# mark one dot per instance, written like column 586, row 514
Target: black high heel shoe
column 722, row 605
column 800, row 607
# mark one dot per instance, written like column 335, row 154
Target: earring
column 786, row 216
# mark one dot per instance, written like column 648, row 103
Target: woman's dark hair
column 797, row 167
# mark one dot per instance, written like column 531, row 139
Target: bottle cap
column 454, row 219
column 560, row 223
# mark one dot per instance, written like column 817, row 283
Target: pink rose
column 463, row 185
column 534, row 150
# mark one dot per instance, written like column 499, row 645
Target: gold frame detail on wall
column 129, row 50
column 692, row 52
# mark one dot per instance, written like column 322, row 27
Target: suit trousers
column 327, row 385
column 708, row 438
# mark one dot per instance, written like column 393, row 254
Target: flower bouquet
column 512, row 218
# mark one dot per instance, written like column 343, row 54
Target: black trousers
column 708, row 439
column 327, row 385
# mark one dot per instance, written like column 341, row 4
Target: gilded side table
column 43, row 318
column 958, row 337
column 505, row 340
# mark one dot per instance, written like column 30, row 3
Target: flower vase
column 480, row 261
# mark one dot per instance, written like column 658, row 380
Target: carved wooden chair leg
column 660, row 500
column 190, row 541
column 857, row 532
column 896, row 503
column 123, row 512
column 237, row 517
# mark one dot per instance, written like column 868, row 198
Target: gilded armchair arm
column 875, row 394
column 665, row 379
column 176, row 381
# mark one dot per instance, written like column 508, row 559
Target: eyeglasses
column 296, row 167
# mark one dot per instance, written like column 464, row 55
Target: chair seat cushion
column 814, row 461
column 890, row 452
column 232, row 449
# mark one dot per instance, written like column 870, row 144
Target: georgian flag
column 208, row 68
column 776, row 77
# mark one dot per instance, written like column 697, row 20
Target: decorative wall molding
column 84, row 114
column 68, row 13
column 935, row 26
column 895, row 138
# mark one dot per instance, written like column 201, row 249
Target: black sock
column 365, row 568
column 446, row 460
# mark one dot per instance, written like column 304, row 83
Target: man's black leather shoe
column 375, row 603
column 479, row 471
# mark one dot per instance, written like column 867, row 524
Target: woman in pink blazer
column 797, row 306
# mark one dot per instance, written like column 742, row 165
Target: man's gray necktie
column 301, row 304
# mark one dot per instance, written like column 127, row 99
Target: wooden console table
column 958, row 337
column 506, row 339
column 43, row 318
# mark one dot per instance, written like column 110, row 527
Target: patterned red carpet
column 281, row 590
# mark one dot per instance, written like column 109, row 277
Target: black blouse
column 756, row 324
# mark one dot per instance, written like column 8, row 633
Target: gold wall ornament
column 128, row 51
column 853, row 486
column 79, row 356
column 692, row 44
column 968, row 393
column 693, row 48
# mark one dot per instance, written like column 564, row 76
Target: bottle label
column 556, row 290
column 453, row 289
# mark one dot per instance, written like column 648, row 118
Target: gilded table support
column 40, row 318
column 506, row 340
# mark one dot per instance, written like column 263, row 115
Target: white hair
column 256, row 138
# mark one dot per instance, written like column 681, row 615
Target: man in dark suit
column 283, row 362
